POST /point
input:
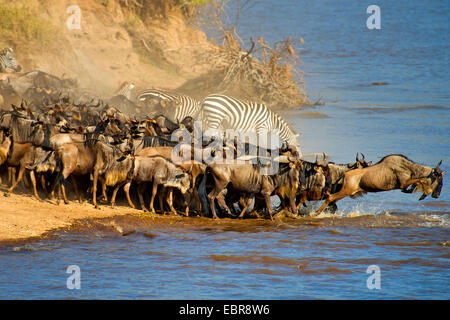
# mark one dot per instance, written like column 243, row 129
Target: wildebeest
column 159, row 170
column 247, row 178
column 324, row 178
column 112, row 172
column 317, row 181
column 391, row 172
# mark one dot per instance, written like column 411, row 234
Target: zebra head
column 7, row 60
column 125, row 89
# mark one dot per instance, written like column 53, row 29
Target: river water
column 307, row 258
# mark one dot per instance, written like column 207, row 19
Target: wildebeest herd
column 60, row 135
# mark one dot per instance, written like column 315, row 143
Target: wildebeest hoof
column 7, row 194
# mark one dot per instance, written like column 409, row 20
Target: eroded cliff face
column 114, row 43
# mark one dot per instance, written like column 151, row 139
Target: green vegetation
column 18, row 22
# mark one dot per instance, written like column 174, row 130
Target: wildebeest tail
column 203, row 197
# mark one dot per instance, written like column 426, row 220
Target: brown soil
column 109, row 48
column 23, row 217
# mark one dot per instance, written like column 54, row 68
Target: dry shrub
column 20, row 23
column 264, row 72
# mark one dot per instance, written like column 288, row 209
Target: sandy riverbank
column 22, row 217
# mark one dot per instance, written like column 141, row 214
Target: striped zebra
column 7, row 60
column 185, row 105
column 125, row 90
column 221, row 112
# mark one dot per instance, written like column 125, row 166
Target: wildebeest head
column 301, row 174
column 437, row 180
column 182, row 181
column 362, row 163
column 323, row 168
column 188, row 123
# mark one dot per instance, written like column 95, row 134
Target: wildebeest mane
column 399, row 155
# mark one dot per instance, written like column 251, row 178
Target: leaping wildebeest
column 393, row 172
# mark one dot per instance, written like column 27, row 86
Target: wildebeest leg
column 75, row 188
column 11, row 175
column 247, row 202
column 169, row 200
column 113, row 197
column 59, row 194
column 94, row 188
column 44, row 185
column 162, row 192
column 420, row 181
column 33, row 182
column 140, row 190
column 332, row 207
column 104, row 195
column 19, row 177
column 152, row 199
column 63, row 189
column 211, row 196
column 302, row 200
column 222, row 203
column 268, row 204
column 197, row 200
column 193, row 197
column 293, row 206
column 333, row 198
column 126, row 188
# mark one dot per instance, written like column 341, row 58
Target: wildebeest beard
column 328, row 181
column 437, row 191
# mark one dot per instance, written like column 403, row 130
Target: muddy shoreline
column 24, row 220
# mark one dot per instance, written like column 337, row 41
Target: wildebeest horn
column 364, row 158
column 324, row 156
column 357, row 159
column 440, row 162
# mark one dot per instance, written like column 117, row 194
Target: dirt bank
column 103, row 43
column 113, row 44
column 23, row 217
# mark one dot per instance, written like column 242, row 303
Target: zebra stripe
column 7, row 60
column 186, row 106
column 223, row 112
column 125, row 90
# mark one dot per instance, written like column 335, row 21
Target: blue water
column 222, row 261
column 342, row 57
column 309, row 258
